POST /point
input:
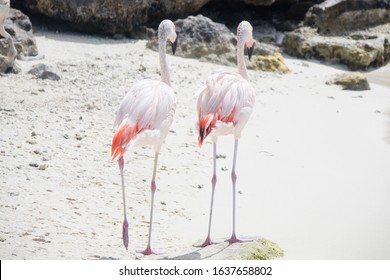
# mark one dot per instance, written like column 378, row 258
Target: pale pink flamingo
column 224, row 106
column 12, row 53
column 144, row 117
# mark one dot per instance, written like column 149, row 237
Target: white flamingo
column 144, row 117
column 224, row 106
column 12, row 52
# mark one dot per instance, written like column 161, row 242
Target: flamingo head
column 245, row 31
column 166, row 31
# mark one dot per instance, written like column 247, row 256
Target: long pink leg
column 213, row 184
column 125, row 227
column 148, row 250
column 233, row 238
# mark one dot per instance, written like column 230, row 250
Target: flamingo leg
column 213, row 184
column 233, row 238
column 148, row 250
column 125, row 227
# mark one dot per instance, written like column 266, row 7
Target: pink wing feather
column 144, row 115
column 224, row 105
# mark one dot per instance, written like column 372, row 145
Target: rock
column 4, row 65
column 340, row 15
column 44, row 71
column 111, row 16
column 269, row 63
column 19, row 26
column 357, row 50
column 201, row 38
column 259, row 2
column 354, row 33
column 351, row 81
column 258, row 249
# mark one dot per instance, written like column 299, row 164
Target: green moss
column 269, row 63
column 351, row 81
column 262, row 249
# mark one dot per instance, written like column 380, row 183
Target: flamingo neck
column 241, row 59
column 163, row 60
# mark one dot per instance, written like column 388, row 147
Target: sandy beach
column 313, row 160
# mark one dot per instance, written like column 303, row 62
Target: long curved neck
column 241, row 59
column 163, row 60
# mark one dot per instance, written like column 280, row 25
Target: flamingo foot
column 206, row 243
column 148, row 251
column 234, row 239
column 125, row 234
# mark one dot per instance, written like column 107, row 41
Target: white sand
column 313, row 162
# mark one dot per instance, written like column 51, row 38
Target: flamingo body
column 224, row 105
column 144, row 116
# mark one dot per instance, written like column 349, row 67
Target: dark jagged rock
column 354, row 33
column 4, row 65
column 19, row 26
column 358, row 50
column 111, row 16
column 43, row 71
column 200, row 37
column 340, row 15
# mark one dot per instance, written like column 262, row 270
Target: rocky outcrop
column 111, row 16
column 334, row 16
column 351, row 81
column 201, row 38
column 354, row 33
column 273, row 62
column 259, row 2
column 4, row 65
column 19, row 26
column 43, row 71
column 357, row 50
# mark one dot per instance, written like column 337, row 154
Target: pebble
column 43, row 167
column 33, row 164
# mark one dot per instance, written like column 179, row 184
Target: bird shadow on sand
column 209, row 252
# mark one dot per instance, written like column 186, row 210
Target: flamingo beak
column 250, row 51
column 174, row 44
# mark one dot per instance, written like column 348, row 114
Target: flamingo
column 224, row 106
column 144, row 118
column 4, row 10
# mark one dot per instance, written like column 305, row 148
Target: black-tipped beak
column 250, row 51
column 9, row 69
column 174, row 44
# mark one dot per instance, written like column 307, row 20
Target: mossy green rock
column 261, row 249
column 351, row 81
column 269, row 63
column 258, row 249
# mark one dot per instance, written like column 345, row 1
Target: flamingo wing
column 144, row 116
column 224, row 104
